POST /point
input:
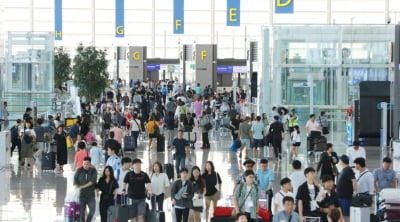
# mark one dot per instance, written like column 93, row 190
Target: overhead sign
column 224, row 69
column 233, row 13
column 284, row 6
column 119, row 19
column 179, row 17
column 153, row 67
column 58, row 19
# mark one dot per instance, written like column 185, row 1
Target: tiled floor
column 33, row 195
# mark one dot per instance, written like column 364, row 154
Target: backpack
column 27, row 138
column 14, row 132
column 164, row 91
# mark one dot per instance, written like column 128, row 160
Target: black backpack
column 14, row 132
column 27, row 138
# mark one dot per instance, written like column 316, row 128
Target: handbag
column 197, row 202
column 361, row 200
column 335, row 170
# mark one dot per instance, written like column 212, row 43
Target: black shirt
column 303, row 193
column 276, row 129
column 112, row 143
column 137, row 184
column 180, row 146
column 345, row 183
column 107, row 189
column 332, row 199
column 211, row 181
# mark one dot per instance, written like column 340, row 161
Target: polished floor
column 33, row 195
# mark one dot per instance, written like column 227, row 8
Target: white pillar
column 212, row 25
column 328, row 12
column 153, row 29
column 93, row 12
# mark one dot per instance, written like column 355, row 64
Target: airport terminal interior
column 75, row 61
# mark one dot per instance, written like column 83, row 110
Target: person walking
column 276, row 133
column 355, row 152
column 160, row 185
column 296, row 141
column 152, row 130
column 80, row 156
column 245, row 135
column 257, row 129
column 170, row 127
column 346, row 186
column 328, row 161
column 182, row 149
column 181, row 196
column 246, row 197
column 297, row 177
column 28, row 136
column 40, row 133
column 108, row 187
column 85, row 179
column 198, row 185
column 60, row 140
column 234, row 125
column 139, row 182
column 287, row 214
column 205, row 120
column 213, row 186
column 286, row 186
column 16, row 139
column 330, row 199
column 385, row 177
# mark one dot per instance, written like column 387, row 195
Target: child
column 96, row 154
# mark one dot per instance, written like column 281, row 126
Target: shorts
column 215, row 197
column 296, row 144
column 152, row 135
column 345, row 206
column 245, row 143
column 139, row 207
column 258, row 143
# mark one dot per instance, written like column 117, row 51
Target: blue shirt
column 257, row 129
column 264, row 178
column 282, row 216
column 114, row 162
column 96, row 155
column 384, row 178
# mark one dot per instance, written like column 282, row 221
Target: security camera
column 388, row 20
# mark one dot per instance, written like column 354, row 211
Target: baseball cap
column 344, row 159
column 136, row 161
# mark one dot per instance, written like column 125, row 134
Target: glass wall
column 317, row 68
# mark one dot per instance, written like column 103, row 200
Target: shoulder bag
column 234, row 213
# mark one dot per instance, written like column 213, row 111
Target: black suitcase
column 320, row 144
column 48, row 161
column 129, row 143
column 169, row 170
column 160, row 143
column 155, row 216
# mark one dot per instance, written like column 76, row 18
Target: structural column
column 395, row 91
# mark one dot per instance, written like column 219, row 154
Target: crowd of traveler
column 155, row 105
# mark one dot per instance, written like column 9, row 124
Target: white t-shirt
column 120, row 178
column 278, row 198
column 296, row 137
column 159, row 182
column 297, row 179
column 354, row 154
column 312, row 126
column 313, row 202
column 135, row 123
column 28, row 132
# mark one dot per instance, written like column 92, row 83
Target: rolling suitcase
column 72, row 212
column 129, row 143
column 320, row 143
column 161, row 143
column 48, row 158
column 155, row 216
column 119, row 213
column 359, row 214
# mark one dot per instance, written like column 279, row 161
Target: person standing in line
column 355, row 152
column 160, row 185
column 182, row 149
column 198, row 185
column 85, row 179
column 139, row 182
column 245, row 134
column 258, row 137
column 136, row 129
column 213, row 186
column 286, row 186
column 296, row 140
column 204, row 121
column 108, row 188
column 246, row 197
column 327, row 162
column 181, row 196
column 287, row 214
column 346, row 186
column 28, row 137
column 365, row 180
column 385, row 177
column 276, row 131
column 307, row 196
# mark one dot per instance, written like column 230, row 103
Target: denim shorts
column 245, row 143
column 345, row 206
column 258, row 143
column 139, row 207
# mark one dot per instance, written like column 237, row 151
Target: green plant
column 62, row 66
column 90, row 71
